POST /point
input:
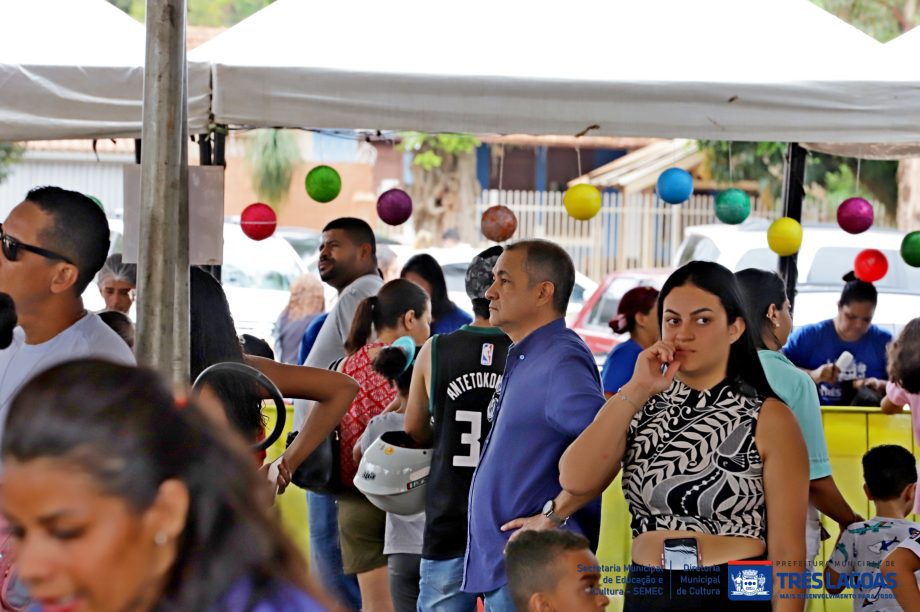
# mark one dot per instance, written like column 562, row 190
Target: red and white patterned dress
column 375, row 394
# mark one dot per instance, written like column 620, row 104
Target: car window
column 455, row 277
column 697, row 248
column 762, row 259
column 578, row 295
column 831, row 263
column 606, row 307
column 259, row 265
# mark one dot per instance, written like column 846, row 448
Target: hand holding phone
column 680, row 554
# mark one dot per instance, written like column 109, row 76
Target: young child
column 553, row 571
column 404, row 534
column 890, row 476
column 903, row 388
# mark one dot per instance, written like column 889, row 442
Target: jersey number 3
column 470, row 439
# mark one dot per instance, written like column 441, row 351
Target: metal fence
column 636, row 231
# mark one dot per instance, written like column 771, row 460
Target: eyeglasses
column 11, row 246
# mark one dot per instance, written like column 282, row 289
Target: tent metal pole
column 220, row 140
column 204, row 150
column 793, row 195
column 163, row 307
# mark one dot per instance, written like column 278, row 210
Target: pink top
column 899, row 396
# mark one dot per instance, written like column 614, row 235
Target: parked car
column 256, row 277
column 592, row 321
column 827, row 254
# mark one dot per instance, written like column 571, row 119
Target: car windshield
column 831, row 263
column 606, row 307
column 268, row 264
column 455, row 277
column 697, row 248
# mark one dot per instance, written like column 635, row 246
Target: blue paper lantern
column 675, row 185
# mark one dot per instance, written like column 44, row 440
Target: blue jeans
column 499, row 600
column 439, row 588
column 325, row 553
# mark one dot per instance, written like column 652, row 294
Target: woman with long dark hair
column 121, row 498
column 400, row 308
column 770, row 316
column 709, row 456
column 425, row 271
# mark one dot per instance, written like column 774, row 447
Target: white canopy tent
column 75, row 69
column 717, row 69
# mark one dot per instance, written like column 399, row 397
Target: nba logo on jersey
column 487, row 350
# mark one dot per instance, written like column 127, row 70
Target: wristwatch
column 548, row 512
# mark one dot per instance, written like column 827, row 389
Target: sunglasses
column 10, row 247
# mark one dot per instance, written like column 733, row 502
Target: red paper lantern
column 498, row 223
column 258, row 221
column 870, row 265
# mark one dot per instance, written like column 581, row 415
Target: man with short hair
column 348, row 262
column 461, row 369
column 553, row 571
column 53, row 243
column 549, row 393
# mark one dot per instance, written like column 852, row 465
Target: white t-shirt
column 404, row 534
column 862, row 547
column 88, row 337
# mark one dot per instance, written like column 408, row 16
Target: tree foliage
column 10, row 153
column 272, row 155
column 203, row 12
column 429, row 150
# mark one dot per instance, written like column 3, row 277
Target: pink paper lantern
column 855, row 215
column 394, row 207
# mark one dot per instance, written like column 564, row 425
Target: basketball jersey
column 466, row 368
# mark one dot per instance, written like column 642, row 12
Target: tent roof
column 75, row 69
column 719, row 69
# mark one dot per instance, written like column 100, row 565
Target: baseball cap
column 479, row 275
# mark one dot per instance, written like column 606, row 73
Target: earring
column 160, row 539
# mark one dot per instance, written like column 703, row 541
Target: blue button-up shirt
column 549, row 394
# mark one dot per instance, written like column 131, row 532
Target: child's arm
column 905, row 562
column 418, row 415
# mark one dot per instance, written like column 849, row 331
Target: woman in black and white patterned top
column 709, row 456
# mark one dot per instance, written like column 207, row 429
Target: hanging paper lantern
column 582, row 201
column 784, row 236
column 855, row 215
column 910, row 249
column 394, row 207
column 258, row 221
column 870, row 265
column 733, row 206
column 323, row 184
column 498, row 223
column 675, row 185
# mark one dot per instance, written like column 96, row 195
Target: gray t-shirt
column 88, row 337
column 404, row 534
column 330, row 342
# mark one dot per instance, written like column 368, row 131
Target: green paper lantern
column 910, row 249
column 733, row 206
column 97, row 201
column 323, row 184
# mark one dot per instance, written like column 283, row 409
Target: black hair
column 8, row 320
column 743, row 369
column 532, row 561
column 481, row 307
column 635, row 301
column 384, row 310
column 78, row 230
column 121, row 427
column 546, row 261
column 904, row 357
column 428, row 268
column 390, row 363
column 358, row 231
column 856, row 290
column 888, row 469
column 214, row 340
column 761, row 289
column 120, row 324
column 256, row 346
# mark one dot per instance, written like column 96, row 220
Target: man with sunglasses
column 51, row 246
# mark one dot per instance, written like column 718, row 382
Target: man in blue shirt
column 549, row 393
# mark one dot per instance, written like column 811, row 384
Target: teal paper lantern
column 733, row 206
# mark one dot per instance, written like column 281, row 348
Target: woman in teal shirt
column 765, row 297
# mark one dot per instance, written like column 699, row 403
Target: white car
column 256, row 277
column 827, row 253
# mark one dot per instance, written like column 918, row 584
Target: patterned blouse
column 374, row 395
column 691, row 463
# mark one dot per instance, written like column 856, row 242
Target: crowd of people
column 121, row 493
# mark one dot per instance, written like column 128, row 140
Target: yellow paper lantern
column 582, row 201
column 785, row 236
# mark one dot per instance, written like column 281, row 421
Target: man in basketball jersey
column 461, row 369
